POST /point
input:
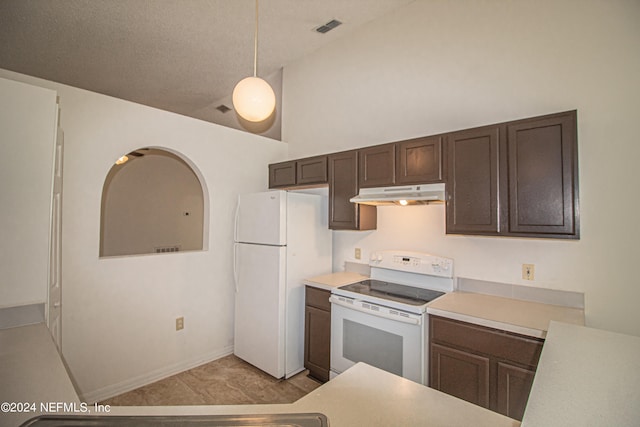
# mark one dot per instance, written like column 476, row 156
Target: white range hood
column 402, row 195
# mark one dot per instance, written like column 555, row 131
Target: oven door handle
column 357, row 306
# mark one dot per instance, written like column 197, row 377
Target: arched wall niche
column 155, row 202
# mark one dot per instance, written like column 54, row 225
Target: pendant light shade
column 253, row 98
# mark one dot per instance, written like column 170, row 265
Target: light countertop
column 333, row 280
column 362, row 396
column 368, row 396
column 586, row 377
column 31, row 371
column 518, row 316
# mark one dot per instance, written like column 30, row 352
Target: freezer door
column 260, row 307
column 261, row 218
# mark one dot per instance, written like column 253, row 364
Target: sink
column 267, row 420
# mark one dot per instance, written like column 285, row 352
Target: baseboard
column 153, row 376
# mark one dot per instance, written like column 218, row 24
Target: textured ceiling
column 183, row 56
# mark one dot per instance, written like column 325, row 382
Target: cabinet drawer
column 478, row 339
column 318, row 298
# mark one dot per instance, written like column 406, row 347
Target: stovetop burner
column 393, row 291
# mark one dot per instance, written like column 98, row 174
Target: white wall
column 26, row 171
column 441, row 65
column 118, row 326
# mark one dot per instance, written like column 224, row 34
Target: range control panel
column 412, row 262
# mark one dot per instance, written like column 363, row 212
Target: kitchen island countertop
column 586, row 377
column 361, row 396
column 31, row 371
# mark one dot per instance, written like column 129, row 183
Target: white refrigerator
column 281, row 238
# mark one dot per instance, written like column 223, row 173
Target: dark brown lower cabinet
column 514, row 386
column 488, row 367
column 317, row 333
column 460, row 374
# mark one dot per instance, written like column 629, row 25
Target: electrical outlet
column 358, row 253
column 179, row 323
column 528, row 271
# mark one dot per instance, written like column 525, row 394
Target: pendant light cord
column 255, row 46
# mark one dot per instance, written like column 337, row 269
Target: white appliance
column 281, row 238
column 382, row 321
column 403, row 195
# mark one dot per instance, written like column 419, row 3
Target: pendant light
column 253, row 98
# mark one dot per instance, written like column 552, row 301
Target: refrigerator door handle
column 235, row 266
column 237, row 218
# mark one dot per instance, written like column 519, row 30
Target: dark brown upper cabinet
column 301, row 172
column 312, row 171
column 282, row 174
column 377, row 166
column 543, row 178
column 419, row 161
column 517, row 179
column 343, row 185
column 472, row 187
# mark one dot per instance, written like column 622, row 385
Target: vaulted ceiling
column 183, row 56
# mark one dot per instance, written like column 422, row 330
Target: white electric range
column 382, row 321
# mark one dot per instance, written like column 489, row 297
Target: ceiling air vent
column 328, row 26
column 223, row 108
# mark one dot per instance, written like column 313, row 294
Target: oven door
column 362, row 332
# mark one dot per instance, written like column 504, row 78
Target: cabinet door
column 377, row 166
column 460, row 374
column 343, row 185
column 514, row 386
column 543, row 184
column 282, row 174
column 419, row 161
column 312, row 171
column 472, row 187
column 317, row 342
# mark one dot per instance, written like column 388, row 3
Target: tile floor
column 226, row 381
